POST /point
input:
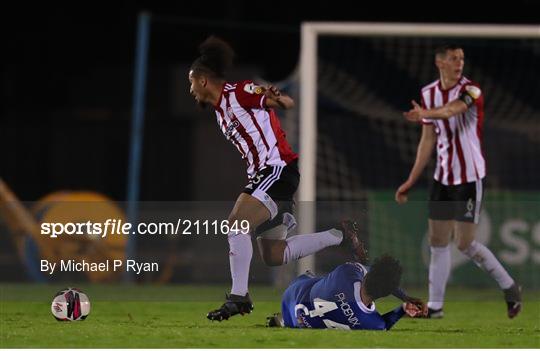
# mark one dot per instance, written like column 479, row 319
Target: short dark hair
column 442, row 49
column 383, row 277
column 215, row 58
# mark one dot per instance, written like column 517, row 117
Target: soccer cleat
column 234, row 304
column 351, row 231
column 275, row 321
column 512, row 296
column 435, row 314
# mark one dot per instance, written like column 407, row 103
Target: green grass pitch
column 174, row 317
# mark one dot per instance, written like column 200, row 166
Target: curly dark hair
column 216, row 57
column 383, row 278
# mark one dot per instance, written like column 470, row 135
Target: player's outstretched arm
column 417, row 113
column 414, row 311
column 276, row 99
column 403, row 296
column 423, row 155
column 391, row 318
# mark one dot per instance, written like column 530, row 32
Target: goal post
column 311, row 32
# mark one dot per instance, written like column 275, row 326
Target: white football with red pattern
column 70, row 304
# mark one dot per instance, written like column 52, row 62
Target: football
column 70, row 304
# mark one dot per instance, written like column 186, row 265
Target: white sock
column 439, row 271
column 485, row 259
column 240, row 254
column 299, row 246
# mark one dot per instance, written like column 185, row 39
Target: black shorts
column 275, row 186
column 456, row 202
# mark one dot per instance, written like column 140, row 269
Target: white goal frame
column 310, row 33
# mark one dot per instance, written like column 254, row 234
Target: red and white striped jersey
column 254, row 129
column 460, row 157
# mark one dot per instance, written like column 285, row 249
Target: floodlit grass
column 174, row 317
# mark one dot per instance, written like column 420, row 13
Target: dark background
column 66, row 105
column 68, row 74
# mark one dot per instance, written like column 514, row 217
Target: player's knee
column 464, row 245
column 465, row 235
column 271, row 252
column 271, row 260
column 236, row 224
column 438, row 241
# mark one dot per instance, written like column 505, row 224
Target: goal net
column 356, row 79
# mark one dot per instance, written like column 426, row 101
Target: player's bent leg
column 440, row 232
column 486, row 260
column 465, row 232
column 271, row 242
column 481, row 255
column 251, row 209
column 439, row 266
column 276, row 251
column 302, row 245
column 271, row 251
column 346, row 234
column 246, row 208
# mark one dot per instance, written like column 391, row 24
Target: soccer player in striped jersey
column 245, row 114
column 452, row 116
column 345, row 298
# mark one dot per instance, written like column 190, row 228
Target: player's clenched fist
column 415, row 310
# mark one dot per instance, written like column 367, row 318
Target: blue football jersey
column 333, row 301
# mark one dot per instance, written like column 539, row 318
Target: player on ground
column 245, row 114
column 345, row 298
column 452, row 114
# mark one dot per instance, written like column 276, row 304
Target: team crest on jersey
column 473, row 91
column 231, row 128
column 230, row 112
column 253, row 89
